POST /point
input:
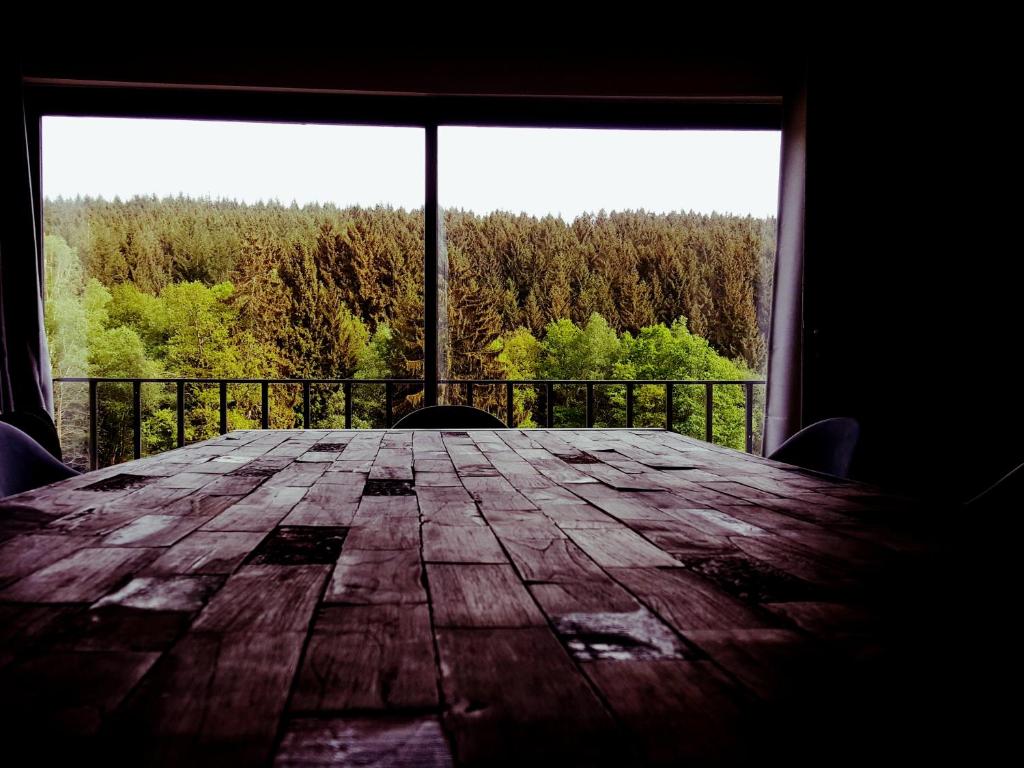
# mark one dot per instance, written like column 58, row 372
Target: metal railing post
column 709, row 412
column 669, row 405
column 180, row 412
column 93, row 419
column 137, row 418
column 748, row 404
column 509, row 408
column 223, row 407
column 629, row 404
column 265, row 405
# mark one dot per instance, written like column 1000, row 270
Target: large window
column 227, row 250
column 609, row 255
column 257, row 260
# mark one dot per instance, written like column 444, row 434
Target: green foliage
column 597, row 352
column 197, row 288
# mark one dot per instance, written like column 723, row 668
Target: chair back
column 825, row 446
column 37, row 424
column 25, row 464
column 449, row 417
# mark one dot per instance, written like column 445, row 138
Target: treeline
column 200, row 288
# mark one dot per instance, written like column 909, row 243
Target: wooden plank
column 590, row 596
column 66, row 692
column 214, row 699
column 94, row 521
column 385, row 533
column 233, row 485
column 363, row 446
column 716, row 523
column 81, row 577
column 368, row 657
column 392, row 464
column 397, row 742
column 620, row 505
column 298, row 475
column 552, row 560
column 449, row 513
column 379, row 508
column 118, row 628
column 205, row 552
column 679, row 712
column 796, row 560
column 326, row 504
column 688, row 602
column 26, row 628
column 437, row 480
column 619, row 548
column 676, row 537
column 495, row 493
column 778, row 665
column 164, row 593
column 480, row 596
column 444, row 495
column 27, row 553
column 259, row 511
column 155, row 530
column 536, row 713
column 463, row 543
column 265, row 598
column 199, row 505
column 377, row 577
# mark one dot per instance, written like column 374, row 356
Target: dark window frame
column 43, row 98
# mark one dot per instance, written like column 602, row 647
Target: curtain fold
column 24, row 360
column 785, row 339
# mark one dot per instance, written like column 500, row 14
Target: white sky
column 536, row 171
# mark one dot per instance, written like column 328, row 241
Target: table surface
column 460, row 597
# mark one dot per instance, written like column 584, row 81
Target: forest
column 200, row 288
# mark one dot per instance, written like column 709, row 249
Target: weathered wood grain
column 551, row 560
column 206, row 552
column 679, row 712
column 501, row 707
column 27, row 553
column 480, row 596
column 265, row 598
column 619, row 548
column 686, row 601
column 368, row 657
column 377, row 576
column 462, row 543
column 260, row 511
column 395, row 742
column 81, row 577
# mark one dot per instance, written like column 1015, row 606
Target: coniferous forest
column 182, row 287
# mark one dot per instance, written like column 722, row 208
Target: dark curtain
column 785, row 339
column 24, row 360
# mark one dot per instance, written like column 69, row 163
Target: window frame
column 44, row 97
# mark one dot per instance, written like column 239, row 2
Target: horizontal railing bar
column 475, row 382
column 112, row 380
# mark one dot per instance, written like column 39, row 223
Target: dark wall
column 912, row 293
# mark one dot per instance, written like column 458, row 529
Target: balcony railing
column 468, row 386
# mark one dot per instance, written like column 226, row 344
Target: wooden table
column 420, row 598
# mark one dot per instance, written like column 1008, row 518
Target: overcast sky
column 536, row 171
